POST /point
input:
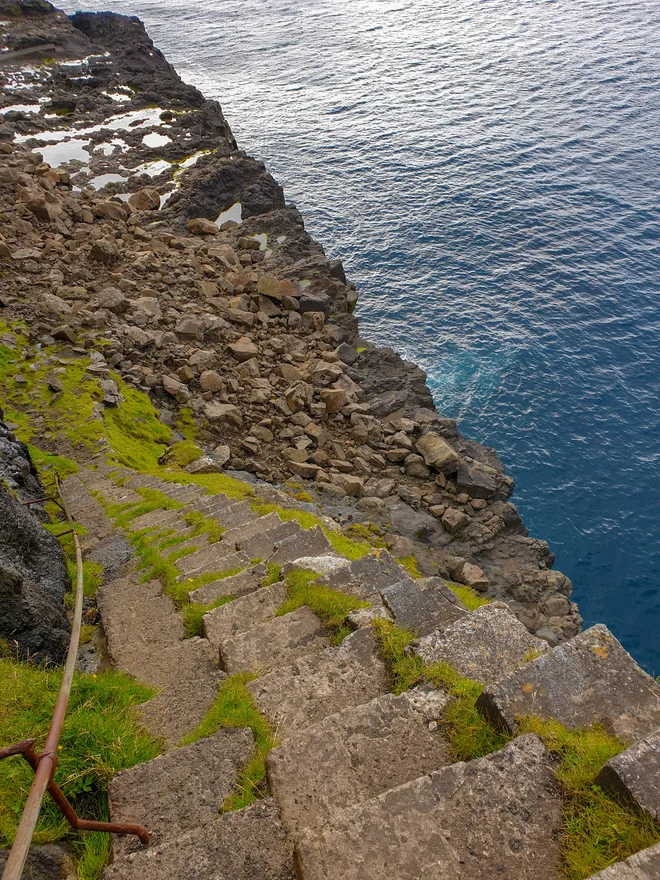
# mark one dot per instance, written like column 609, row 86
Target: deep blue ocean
column 489, row 172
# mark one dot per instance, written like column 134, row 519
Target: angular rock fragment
column 633, row 776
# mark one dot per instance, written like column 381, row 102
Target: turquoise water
column 489, row 172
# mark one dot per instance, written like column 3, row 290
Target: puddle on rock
column 59, row 154
column 104, row 179
column 262, row 238
column 21, row 108
column 153, row 169
column 234, row 213
column 153, row 139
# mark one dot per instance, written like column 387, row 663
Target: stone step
column 192, row 541
column 312, row 542
column 207, row 557
column 366, row 577
column 484, row 645
column 178, row 790
column 633, row 776
column 355, row 754
column 208, row 505
column 216, row 562
column 235, row 515
column 644, row 865
column 240, row 584
column 420, row 610
column 242, row 614
column 158, row 518
column 313, row 687
column 274, row 643
column 569, row 683
column 184, row 494
column 264, row 544
column 498, row 816
column 140, row 610
column 238, row 535
column 248, row 844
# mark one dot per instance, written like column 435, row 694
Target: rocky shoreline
column 135, row 233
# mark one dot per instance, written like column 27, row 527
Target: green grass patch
column 410, row 565
column 329, row 605
column 273, row 576
column 215, row 484
column 92, row 577
column 235, row 707
column 101, row 736
column 137, row 436
column 182, row 454
column 193, row 614
column 185, row 423
column 469, row 597
column 47, row 463
column 204, row 525
column 348, row 547
column 152, row 499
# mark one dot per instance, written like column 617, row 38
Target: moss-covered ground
column 597, row 831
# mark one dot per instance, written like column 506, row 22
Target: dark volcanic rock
column 389, row 383
column 46, row 862
column 16, row 467
column 33, row 580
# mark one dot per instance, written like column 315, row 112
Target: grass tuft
column 329, row 605
column 101, row 736
column 204, row 525
column 469, row 597
column 193, row 614
column 235, row 707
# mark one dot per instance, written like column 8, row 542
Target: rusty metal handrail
column 45, row 763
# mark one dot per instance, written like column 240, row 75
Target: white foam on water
column 234, row 213
column 153, row 139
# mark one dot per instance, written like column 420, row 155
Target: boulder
column 201, row 226
column 211, row 380
column 147, row 199
column 222, row 414
column 104, row 251
column 455, row 520
column 335, row 399
column 633, row 776
column 476, row 481
column 243, row 349
column 437, row 453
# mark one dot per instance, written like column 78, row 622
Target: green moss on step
column 193, row 614
column 204, row 525
column 331, row 606
column 410, row 565
column 469, row 597
column 274, row 574
column 182, row 454
column 152, row 499
column 235, row 707
column 101, row 737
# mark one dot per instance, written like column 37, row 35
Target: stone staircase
column 362, row 784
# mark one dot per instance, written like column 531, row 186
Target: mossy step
column 313, row 687
column 235, row 515
column 211, row 504
column 154, row 518
column 248, row 844
column 243, row 614
column 235, row 536
column 420, row 610
column 484, row 645
column 178, row 790
column 355, row 754
column 214, row 557
column 273, row 643
column 235, row 585
column 497, row 816
column 590, row 678
column 263, row 545
column 366, row 577
column 233, row 563
column 312, row 542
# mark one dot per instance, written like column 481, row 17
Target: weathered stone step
column 236, row 536
column 588, row 679
column 311, row 688
column 497, row 816
column 156, row 519
column 248, row 844
column 242, row 614
column 215, row 561
column 312, row 542
column 420, row 610
column 210, row 505
column 208, row 558
column 644, row 865
column 276, row 642
column 484, row 645
column 355, row 754
column 236, row 515
column 140, row 610
column 366, row 577
column 191, row 541
column 633, row 776
column 178, row 790
column 240, row 584
column 264, row 544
